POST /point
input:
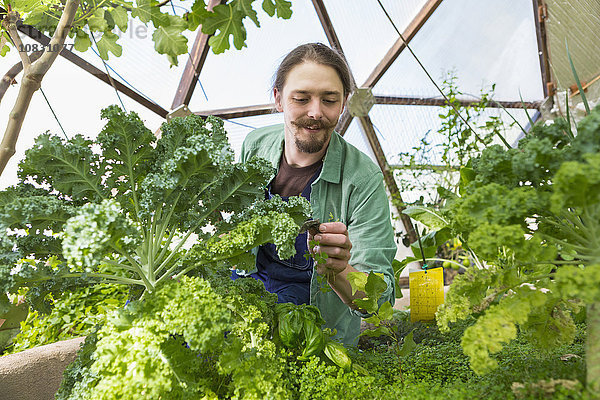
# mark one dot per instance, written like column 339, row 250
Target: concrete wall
column 35, row 374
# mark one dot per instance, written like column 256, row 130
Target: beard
column 316, row 140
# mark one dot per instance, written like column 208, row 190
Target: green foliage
column 74, row 314
column 317, row 380
column 432, row 167
column 101, row 18
column 299, row 329
column 185, row 340
column 123, row 214
column 526, row 212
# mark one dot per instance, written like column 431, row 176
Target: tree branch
column 10, row 23
column 32, row 81
column 9, row 77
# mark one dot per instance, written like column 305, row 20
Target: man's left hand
column 334, row 241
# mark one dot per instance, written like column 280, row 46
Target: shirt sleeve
column 371, row 233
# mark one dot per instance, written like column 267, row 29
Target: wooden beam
column 194, row 64
column 343, row 123
column 416, row 101
column 408, row 34
column 540, row 14
column 239, row 112
column 86, row 66
column 327, row 25
column 369, row 131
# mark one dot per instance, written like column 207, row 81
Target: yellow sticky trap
column 426, row 293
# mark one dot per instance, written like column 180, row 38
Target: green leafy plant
column 74, row 314
column 380, row 314
column 432, row 167
column 529, row 217
column 299, row 329
column 190, row 338
column 135, row 210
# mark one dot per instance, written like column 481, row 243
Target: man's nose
column 315, row 109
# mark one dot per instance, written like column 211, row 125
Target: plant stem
column 120, row 265
column 10, row 23
column 137, row 268
column 117, row 279
column 444, row 260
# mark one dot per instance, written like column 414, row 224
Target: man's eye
column 299, row 100
column 327, row 101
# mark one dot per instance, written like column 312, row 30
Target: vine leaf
column 196, row 16
column 107, row 43
column 427, row 216
column 228, row 21
column 283, row 8
column 97, row 22
column 245, row 7
column 119, row 15
column 82, row 41
column 168, row 39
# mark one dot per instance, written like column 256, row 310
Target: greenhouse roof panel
column 484, row 43
column 244, row 77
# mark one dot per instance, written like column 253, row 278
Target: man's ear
column 277, row 96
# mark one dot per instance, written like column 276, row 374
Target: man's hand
column 333, row 241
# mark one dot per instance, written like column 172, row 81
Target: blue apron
column 290, row 278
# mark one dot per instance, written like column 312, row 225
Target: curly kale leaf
column 97, row 230
column 125, row 208
column 71, row 168
column 51, row 276
column 135, row 356
column 499, row 325
column 576, row 282
column 277, row 228
column 495, row 204
column 127, row 151
column 587, row 140
column 78, row 376
column 191, row 156
column 577, row 184
column 186, row 340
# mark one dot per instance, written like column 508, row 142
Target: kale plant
column 132, row 209
column 530, row 217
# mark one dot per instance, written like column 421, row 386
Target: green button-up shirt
column 350, row 188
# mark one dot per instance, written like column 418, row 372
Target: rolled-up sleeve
column 371, row 233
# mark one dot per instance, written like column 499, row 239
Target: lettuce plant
column 130, row 208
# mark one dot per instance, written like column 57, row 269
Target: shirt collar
column 332, row 163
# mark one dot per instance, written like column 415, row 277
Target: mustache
column 304, row 122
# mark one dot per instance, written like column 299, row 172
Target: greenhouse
column 299, row 199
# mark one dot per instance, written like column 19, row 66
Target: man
column 311, row 88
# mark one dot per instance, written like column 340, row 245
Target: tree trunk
column 32, row 80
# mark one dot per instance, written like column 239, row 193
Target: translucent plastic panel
column 241, row 78
column 484, row 42
column 76, row 99
column 238, row 128
column 577, row 23
column 401, row 128
column 364, row 31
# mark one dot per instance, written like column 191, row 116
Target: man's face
column 311, row 100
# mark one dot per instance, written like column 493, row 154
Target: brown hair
column 320, row 54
